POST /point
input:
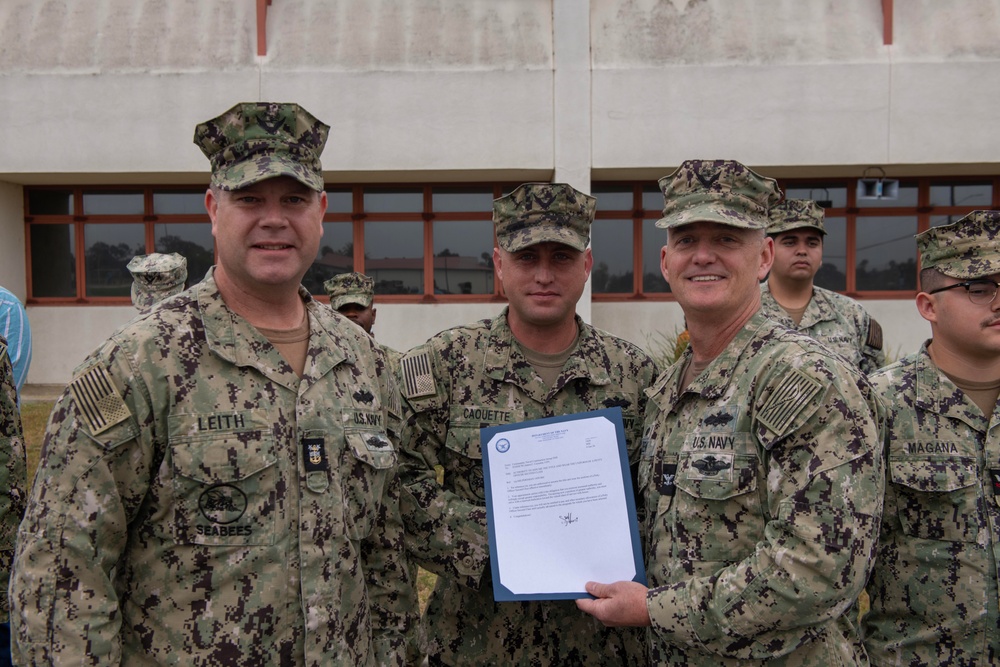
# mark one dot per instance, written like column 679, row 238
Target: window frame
column 923, row 212
column 357, row 217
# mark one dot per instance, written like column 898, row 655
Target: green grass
column 34, row 417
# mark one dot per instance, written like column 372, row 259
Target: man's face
column 543, row 282
column 363, row 316
column 960, row 326
column 267, row 234
column 798, row 254
column 715, row 269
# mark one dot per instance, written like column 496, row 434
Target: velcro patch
column 874, row 339
column 787, row 400
column 98, row 399
column 418, row 381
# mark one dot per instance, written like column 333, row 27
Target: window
column 869, row 249
column 434, row 243
column 419, row 243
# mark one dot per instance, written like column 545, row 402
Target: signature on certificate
column 568, row 519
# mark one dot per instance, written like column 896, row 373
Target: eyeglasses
column 981, row 292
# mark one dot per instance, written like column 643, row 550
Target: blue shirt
column 14, row 327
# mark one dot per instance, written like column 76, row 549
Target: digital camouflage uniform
column 155, row 277
column 476, row 376
column 464, row 379
column 933, row 590
column 198, row 504
column 837, row 321
column 13, row 475
column 761, row 481
column 762, row 485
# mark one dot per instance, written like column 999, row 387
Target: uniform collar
column 934, row 392
column 505, row 362
column 235, row 340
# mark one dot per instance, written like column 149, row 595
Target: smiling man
column 760, row 473
column 536, row 359
column 934, row 588
column 218, row 484
column 790, row 297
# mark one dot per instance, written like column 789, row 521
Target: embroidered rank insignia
column 787, row 400
column 664, row 476
column 314, row 454
column 874, row 339
column 417, row 378
column 98, row 399
column 3, row 349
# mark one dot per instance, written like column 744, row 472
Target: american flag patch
column 418, row 380
column 874, row 339
column 98, row 399
column 793, row 394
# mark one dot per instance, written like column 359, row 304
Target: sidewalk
column 41, row 392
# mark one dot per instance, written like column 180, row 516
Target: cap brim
column 543, row 234
column 246, row 173
column 339, row 302
column 969, row 269
column 779, row 229
column 712, row 212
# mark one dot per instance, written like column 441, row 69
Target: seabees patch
column 787, row 400
column 418, row 381
column 98, row 399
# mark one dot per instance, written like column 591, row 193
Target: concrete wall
column 109, row 91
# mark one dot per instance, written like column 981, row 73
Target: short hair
column 931, row 279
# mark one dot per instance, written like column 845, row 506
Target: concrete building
column 436, row 106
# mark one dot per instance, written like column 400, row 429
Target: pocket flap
column 934, row 475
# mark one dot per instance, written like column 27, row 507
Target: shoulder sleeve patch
column 418, row 381
column 874, row 339
column 98, row 399
column 787, row 400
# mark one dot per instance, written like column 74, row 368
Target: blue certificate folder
column 501, row 593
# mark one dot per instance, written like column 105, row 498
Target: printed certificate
column 560, row 506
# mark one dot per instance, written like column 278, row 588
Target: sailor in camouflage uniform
column 790, row 297
column 536, row 359
column 934, row 595
column 13, row 482
column 155, row 277
column 218, row 484
column 353, row 296
column 760, row 471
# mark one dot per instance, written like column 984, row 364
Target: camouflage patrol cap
column 155, row 277
column 348, row 288
column 967, row 248
column 796, row 214
column 722, row 191
column 540, row 212
column 255, row 141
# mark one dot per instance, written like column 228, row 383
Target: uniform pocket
column 368, row 465
column 716, row 493
column 937, row 498
column 224, row 489
column 463, row 465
